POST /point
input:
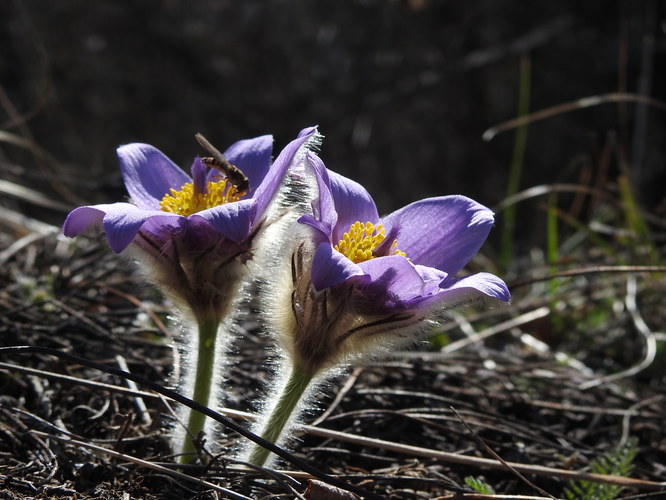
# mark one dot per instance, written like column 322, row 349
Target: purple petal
column 324, row 228
column 330, row 267
column 444, row 233
column 253, row 157
column 396, row 275
column 340, row 203
column 352, row 203
column 148, row 174
column 266, row 190
column 120, row 221
column 401, row 281
column 82, row 218
column 323, row 208
column 467, row 289
column 432, row 278
column 123, row 221
column 233, row 220
column 199, row 175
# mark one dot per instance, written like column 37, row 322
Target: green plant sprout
column 618, row 463
column 479, row 485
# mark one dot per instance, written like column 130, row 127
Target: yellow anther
column 359, row 243
column 185, row 202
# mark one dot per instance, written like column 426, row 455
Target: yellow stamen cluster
column 186, row 202
column 359, row 243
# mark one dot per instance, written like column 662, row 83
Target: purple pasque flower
column 360, row 280
column 194, row 231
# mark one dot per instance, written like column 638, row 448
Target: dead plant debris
column 521, row 399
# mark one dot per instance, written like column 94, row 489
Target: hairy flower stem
column 291, row 395
column 202, row 386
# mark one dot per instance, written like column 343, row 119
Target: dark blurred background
column 402, row 91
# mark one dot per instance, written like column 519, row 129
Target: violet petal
column 480, row 283
column 122, row 222
column 323, row 208
column 444, row 233
column 322, row 227
column 352, row 202
column 399, row 278
column 148, row 174
column 266, row 190
column 233, row 220
column 82, row 218
column 330, row 267
column 199, row 175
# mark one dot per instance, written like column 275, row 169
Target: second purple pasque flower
column 356, row 283
column 361, row 281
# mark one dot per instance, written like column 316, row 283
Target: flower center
column 361, row 241
column 186, row 202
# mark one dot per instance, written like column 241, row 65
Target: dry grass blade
column 19, row 245
column 351, row 380
column 131, row 298
column 22, row 223
column 76, row 380
column 485, row 463
column 139, row 403
column 588, row 270
column 536, row 191
column 22, row 142
column 500, row 459
column 32, row 196
column 528, row 317
column 582, row 103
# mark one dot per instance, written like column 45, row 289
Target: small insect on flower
column 219, row 162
